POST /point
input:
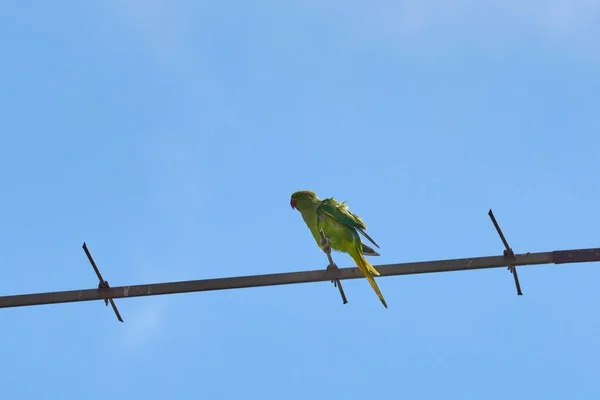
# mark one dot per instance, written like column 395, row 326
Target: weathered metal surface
column 575, row 256
column 462, row 264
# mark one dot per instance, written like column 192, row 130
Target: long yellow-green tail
column 368, row 271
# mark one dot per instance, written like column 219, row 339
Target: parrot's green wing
column 368, row 251
column 339, row 211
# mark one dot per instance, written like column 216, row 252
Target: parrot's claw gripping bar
column 325, row 245
column 508, row 253
column 103, row 285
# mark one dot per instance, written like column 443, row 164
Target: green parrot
column 341, row 228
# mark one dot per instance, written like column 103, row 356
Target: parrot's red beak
column 293, row 203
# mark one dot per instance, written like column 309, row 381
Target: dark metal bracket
column 103, row 286
column 508, row 253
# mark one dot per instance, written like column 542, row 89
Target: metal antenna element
column 332, row 273
column 103, row 285
column 561, row 257
column 508, row 252
column 332, row 267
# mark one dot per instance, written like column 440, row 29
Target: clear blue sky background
column 170, row 135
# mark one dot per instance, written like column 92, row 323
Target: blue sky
column 170, row 135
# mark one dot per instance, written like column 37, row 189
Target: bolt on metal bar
column 461, row 264
column 103, row 285
column 508, row 252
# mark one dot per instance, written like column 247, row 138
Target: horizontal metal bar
column 462, row 264
column 575, row 256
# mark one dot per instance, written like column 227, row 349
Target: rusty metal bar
column 461, row 264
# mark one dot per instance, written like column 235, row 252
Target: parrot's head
column 303, row 199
